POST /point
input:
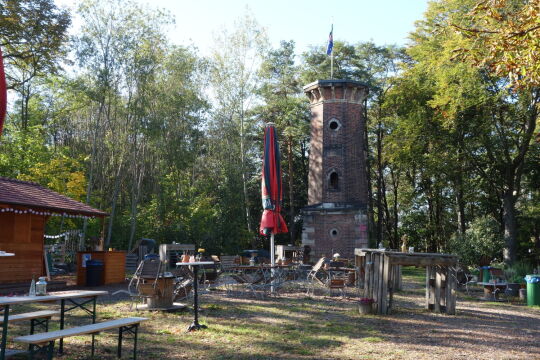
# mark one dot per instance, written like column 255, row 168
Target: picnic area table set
column 374, row 278
column 69, row 301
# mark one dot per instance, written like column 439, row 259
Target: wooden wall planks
column 21, row 234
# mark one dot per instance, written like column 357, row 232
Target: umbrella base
column 196, row 326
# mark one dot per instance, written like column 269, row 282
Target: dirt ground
column 294, row 326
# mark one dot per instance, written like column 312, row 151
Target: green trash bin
column 486, row 276
column 533, row 290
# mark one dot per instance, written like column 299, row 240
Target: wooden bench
column 44, row 342
column 36, row 318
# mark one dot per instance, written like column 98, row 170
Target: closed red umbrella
column 3, row 93
column 271, row 187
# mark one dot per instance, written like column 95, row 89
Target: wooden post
column 380, row 284
column 428, row 285
column 368, row 266
column 385, row 284
column 391, row 286
column 438, row 282
column 451, row 291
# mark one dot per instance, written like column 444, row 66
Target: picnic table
column 381, row 269
column 75, row 298
column 492, row 289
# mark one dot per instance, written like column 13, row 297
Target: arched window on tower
column 334, row 181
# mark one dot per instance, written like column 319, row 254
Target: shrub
column 481, row 239
column 517, row 271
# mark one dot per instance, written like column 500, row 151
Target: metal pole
column 4, row 332
column 272, row 262
column 332, row 64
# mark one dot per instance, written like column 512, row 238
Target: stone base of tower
column 331, row 228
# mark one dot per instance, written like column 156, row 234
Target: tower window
column 334, row 124
column 334, row 181
column 334, row 233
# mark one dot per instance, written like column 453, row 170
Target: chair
column 144, row 283
column 265, row 285
column 314, row 275
column 498, row 279
column 182, row 289
column 464, row 278
column 338, row 284
column 227, row 262
column 240, row 285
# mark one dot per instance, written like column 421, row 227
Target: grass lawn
column 294, row 326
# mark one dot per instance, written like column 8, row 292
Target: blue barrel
column 94, row 273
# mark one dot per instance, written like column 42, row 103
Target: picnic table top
column 343, row 269
column 195, row 263
column 500, row 283
column 71, row 294
column 414, row 258
column 263, row 266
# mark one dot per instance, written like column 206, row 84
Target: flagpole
column 332, row 51
column 332, row 64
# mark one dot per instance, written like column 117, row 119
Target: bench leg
column 135, row 342
column 93, row 322
column 47, row 349
column 35, row 323
column 93, row 347
column 62, row 320
column 120, row 332
column 133, row 329
column 50, row 350
column 4, row 333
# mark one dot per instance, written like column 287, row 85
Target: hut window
column 334, row 181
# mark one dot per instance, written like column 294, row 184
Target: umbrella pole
column 272, row 261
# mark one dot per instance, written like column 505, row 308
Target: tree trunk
column 116, row 191
column 244, row 177
column 292, row 227
column 135, row 194
column 460, row 201
column 91, row 170
column 510, row 227
column 395, row 185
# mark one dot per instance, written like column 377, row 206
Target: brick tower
column 335, row 219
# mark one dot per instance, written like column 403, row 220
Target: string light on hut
column 43, row 213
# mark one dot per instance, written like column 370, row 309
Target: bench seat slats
column 13, row 352
column 79, row 330
column 30, row 315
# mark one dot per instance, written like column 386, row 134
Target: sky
column 307, row 22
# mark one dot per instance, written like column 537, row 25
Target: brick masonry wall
column 339, row 150
column 351, row 228
column 315, row 177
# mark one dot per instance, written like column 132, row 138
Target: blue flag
column 330, row 41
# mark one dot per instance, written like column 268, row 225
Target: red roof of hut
column 34, row 196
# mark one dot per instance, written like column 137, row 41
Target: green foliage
column 33, row 35
column 482, row 239
column 517, row 272
column 170, row 143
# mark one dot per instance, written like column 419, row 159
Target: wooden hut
column 25, row 208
